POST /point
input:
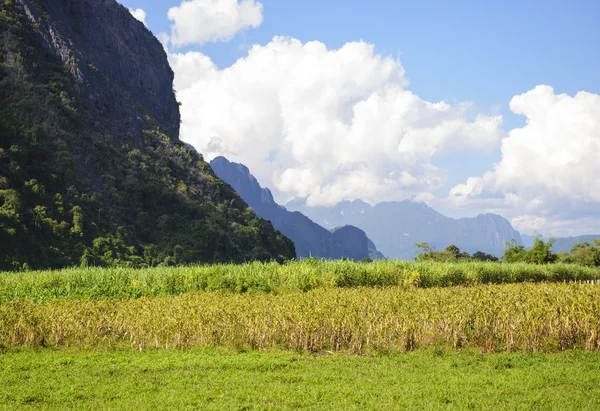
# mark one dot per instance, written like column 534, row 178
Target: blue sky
column 484, row 52
column 488, row 51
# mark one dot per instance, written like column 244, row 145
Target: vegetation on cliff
column 73, row 193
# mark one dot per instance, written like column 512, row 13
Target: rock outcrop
column 92, row 171
column 117, row 63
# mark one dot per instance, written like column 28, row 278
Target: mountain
column 92, row 171
column 562, row 244
column 395, row 227
column 527, row 240
column 309, row 238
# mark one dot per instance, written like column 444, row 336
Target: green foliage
column 540, row 253
column 481, row 256
column 305, row 275
column 586, row 253
column 454, row 251
column 451, row 254
column 72, row 194
column 515, row 252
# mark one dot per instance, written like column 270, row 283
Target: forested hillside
column 92, row 171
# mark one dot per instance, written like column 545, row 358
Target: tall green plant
column 587, row 253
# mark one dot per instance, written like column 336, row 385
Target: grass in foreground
column 310, row 274
column 529, row 317
column 215, row 379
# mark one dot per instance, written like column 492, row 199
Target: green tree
column 426, row 253
column 514, row 252
column 77, row 228
column 481, row 256
column 454, row 251
column 587, row 253
column 451, row 253
column 541, row 252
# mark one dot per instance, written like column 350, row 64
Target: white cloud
column 547, row 179
column 139, row 14
column 164, row 40
column 325, row 124
column 203, row 21
column 529, row 223
column 557, row 226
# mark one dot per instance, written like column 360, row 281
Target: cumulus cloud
column 325, row 124
column 139, row 14
column 547, row 178
column 203, row 21
column 164, row 40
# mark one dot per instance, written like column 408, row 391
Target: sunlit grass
column 362, row 320
column 122, row 283
column 222, row 380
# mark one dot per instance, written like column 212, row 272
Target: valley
column 137, row 273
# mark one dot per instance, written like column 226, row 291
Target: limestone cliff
column 117, row 63
column 92, row 171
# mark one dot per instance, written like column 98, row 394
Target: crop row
column 531, row 317
column 123, row 283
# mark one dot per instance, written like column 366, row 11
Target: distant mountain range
column 310, row 239
column 395, row 227
column 562, row 244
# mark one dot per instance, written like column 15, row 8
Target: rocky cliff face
column 355, row 239
column 118, row 65
column 309, row 238
column 489, row 231
column 92, row 171
column 395, row 227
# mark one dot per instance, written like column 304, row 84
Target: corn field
column 361, row 320
column 305, row 275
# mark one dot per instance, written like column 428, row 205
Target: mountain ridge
column 395, row 227
column 309, row 238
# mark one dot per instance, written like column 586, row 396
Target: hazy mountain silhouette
column 395, row 227
column 310, row 239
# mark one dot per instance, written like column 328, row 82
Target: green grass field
column 304, row 335
column 222, row 380
column 123, row 283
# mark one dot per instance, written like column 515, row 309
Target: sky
column 469, row 106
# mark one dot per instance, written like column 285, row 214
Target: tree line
column 585, row 253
